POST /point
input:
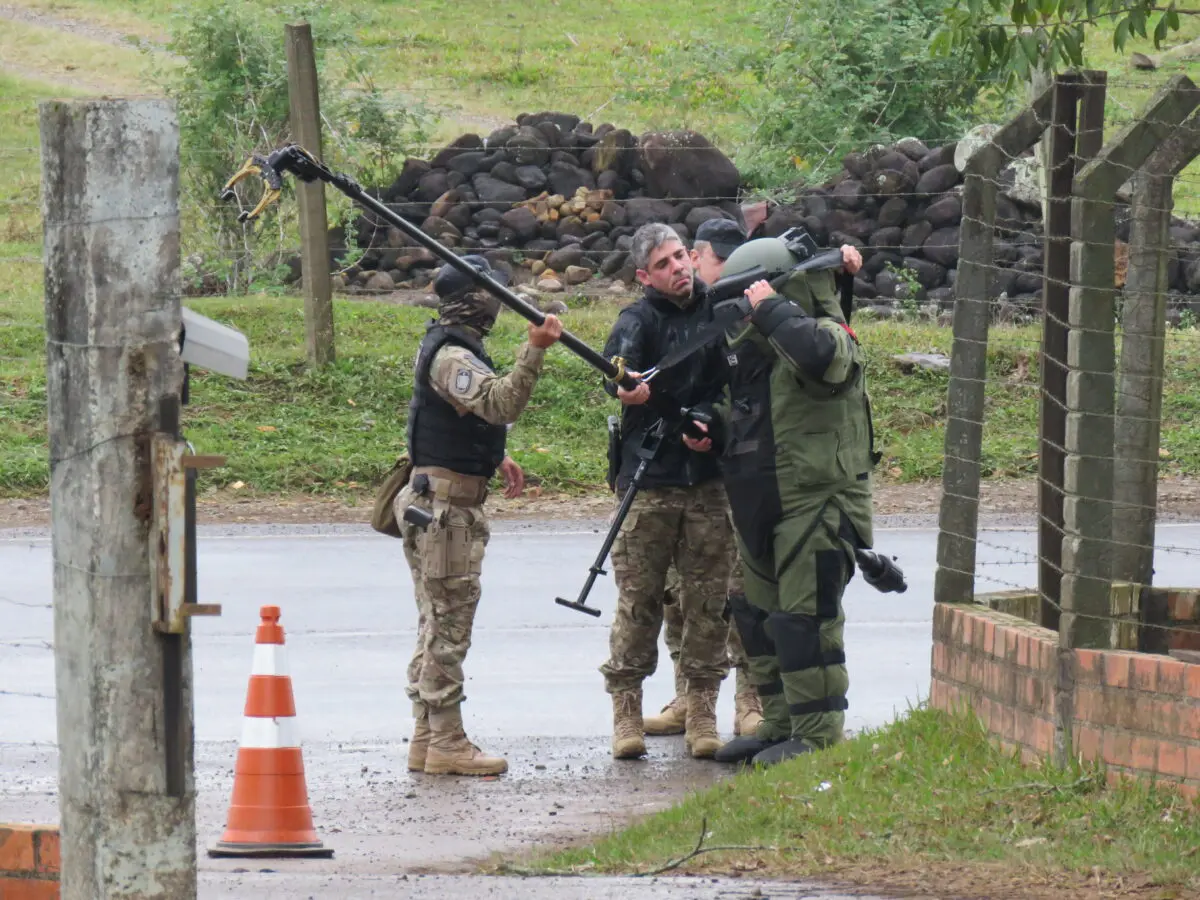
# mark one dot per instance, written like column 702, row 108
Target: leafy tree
column 833, row 76
column 1025, row 40
column 231, row 91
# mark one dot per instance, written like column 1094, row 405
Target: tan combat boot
column 702, row 740
column 747, row 711
column 671, row 720
column 450, row 753
column 627, row 742
column 419, row 746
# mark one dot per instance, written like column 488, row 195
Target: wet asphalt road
column 534, row 694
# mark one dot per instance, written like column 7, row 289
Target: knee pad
column 797, row 641
column 751, row 625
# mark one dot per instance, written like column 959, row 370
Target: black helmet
column 450, row 281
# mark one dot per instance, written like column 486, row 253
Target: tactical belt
column 453, row 487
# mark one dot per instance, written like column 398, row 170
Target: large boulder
column 685, row 164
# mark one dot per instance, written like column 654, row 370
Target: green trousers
column 791, row 624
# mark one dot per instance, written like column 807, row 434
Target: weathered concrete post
column 958, row 517
column 110, row 176
column 1091, row 354
column 1144, row 322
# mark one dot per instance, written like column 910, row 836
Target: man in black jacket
column 679, row 515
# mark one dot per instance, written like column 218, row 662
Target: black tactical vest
column 437, row 434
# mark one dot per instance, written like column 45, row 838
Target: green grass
column 291, row 429
column 926, row 800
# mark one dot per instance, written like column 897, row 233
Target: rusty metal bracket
column 171, row 603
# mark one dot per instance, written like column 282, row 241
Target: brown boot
column 702, row 740
column 418, row 747
column 450, row 753
column 671, row 719
column 627, row 742
column 747, row 711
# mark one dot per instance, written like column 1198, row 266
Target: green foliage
column 930, row 793
column 837, row 75
column 231, row 89
column 1014, row 39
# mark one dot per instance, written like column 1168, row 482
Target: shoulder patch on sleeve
column 463, row 378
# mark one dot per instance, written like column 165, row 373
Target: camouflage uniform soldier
column 797, row 464
column 747, row 709
column 714, row 241
column 457, row 429
column 679, row 515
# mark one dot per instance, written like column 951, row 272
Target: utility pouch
column 614, row 451
column 383, row 516
column 447, row 551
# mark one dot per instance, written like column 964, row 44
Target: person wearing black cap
column 715, row 239
column 457, row 428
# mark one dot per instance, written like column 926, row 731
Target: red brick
column 1089, row 667
column 16, row 848
column 1190, row 791
column 1008, row 723
column 1144, row 754
column 1116, row 669
column 1183, row 639
column 1023, row 650
column 968, row 630
column 989, row 638
column 49, row 851
column 1089, row 743
column 1189, row 721
column 27, row 889
column 1087, row 705
column 1022, row 727
column 1117, row 748
column 1193, row 762
column 1181, row 606
column 1046, row 732
column 979, row 636
column 939, row 658
column 1172, row 758
column 1172, row 676
column 1010, row 644
column 1144, row 673
column 1049, row 657
column 1192, row 676
column 939, row 622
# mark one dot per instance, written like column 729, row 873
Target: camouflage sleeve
column 458, row 376
column 815, row 349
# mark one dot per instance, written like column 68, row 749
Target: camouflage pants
column 673, row 624
column 446, row 561
column 687, row 527
column 791, row 622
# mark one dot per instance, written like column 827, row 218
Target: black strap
column 827, row 704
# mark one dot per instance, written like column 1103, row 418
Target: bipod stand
column 652, row 445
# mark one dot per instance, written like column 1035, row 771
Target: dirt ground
column 895, row 504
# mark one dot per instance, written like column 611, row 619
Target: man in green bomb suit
column 796, row 452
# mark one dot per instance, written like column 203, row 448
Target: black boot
column 782, row 750
column 744, row 748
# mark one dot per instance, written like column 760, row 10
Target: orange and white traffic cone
column 269, row 815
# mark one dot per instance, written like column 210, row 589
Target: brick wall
column 29, row 862
column 1172, row 620
column 1136, row 712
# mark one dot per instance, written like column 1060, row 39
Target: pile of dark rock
column 901, row 205
column 556, row 200
column 550, row 196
